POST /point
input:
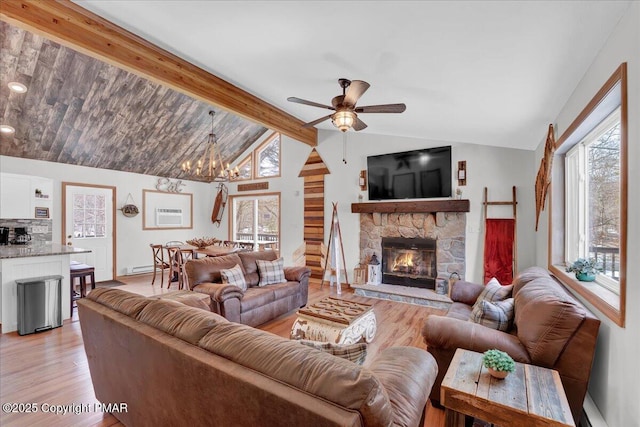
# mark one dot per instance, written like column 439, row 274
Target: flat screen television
column 413, row 174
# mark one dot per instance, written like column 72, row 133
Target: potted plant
column 585, row 269
column 498, row 363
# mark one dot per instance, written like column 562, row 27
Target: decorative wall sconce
column 462, row 172
column 362, row 180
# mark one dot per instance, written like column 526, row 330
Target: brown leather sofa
column 256, row 305
column 551, row 329
column 178, row 365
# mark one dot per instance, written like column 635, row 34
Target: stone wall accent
column 448, row 228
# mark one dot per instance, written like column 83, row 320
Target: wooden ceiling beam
column 75, row 27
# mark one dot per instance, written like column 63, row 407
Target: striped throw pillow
column 271, row 272
column 234, row 276
column 496, row 315
column 355, row 353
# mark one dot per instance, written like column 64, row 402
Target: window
column 593, row 200
column 245, row 168
column 267, row 157
column 255, row 219
column 89, row 216
column 588, row 198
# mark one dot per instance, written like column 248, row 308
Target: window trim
column 256, row 156
column 596, row 295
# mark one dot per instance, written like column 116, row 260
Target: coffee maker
column 21, row 236
column 4, row 236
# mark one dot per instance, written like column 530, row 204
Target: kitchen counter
column 30, row 261
column 38, row 249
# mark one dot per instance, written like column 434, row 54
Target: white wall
column 132, row 242
column 496, row 168
column 615, row 379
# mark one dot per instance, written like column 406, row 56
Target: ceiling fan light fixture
column 343, row 120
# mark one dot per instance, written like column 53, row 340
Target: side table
column 531, row 395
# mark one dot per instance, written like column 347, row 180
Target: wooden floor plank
column 51, row 367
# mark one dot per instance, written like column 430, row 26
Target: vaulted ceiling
column 484, row 72
column 82, row 111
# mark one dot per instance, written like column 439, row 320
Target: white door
column 88, row 224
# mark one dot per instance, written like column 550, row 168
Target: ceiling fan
column 346, row 112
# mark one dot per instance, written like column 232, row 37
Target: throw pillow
column 496, row 315
column 493, row 291
column 355, row 353
column 234, row 276
column 271, row 272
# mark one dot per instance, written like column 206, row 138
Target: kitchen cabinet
column 20, row 195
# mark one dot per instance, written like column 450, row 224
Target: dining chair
column 177, row 258
column 158, row 263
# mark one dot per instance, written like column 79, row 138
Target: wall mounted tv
column 413, row 174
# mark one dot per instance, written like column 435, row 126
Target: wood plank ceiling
column 81, row 111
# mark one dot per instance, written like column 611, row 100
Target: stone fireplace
column 409, row 262
column 447, row 229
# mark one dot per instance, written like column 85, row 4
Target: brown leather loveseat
column 178, row 365
column 256, row 305
column 551, row 329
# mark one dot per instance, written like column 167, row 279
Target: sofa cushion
column 355, row 353
column 495, row 315
column 119, row 300
column 234, row 276
column 208, row 269
column 459, row 310
column 187, row 323
column 271, row 272
column 257, row 297
column 547, row 317
column 313, row 372
column 286, row 289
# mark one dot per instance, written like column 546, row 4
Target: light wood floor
column 51, row 367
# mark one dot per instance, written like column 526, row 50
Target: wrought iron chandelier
column 210, row 165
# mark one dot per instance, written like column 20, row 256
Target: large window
column 593, row 200
column 588, row 198
column 255, row 219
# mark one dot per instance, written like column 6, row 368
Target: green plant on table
column 498, row 360
column 584, row 266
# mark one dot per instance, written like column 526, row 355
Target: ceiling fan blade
column 315, row 122
column 356, row 89
column 358, row 124
column 305, row 102
column 386, row 108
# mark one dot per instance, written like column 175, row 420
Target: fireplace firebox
column 409, row 262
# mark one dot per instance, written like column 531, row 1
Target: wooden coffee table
column 529, row 396
column 335, row 320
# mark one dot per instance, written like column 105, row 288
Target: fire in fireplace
column 409, row 262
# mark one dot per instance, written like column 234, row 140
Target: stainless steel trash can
column 39, row 304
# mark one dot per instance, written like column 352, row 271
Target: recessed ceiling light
column 17, row 87
column 6, row 129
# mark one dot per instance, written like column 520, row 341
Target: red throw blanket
column 498, row 250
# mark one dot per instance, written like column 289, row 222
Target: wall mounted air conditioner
column 168, row 217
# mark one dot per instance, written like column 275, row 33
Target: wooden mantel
column 414, row 206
